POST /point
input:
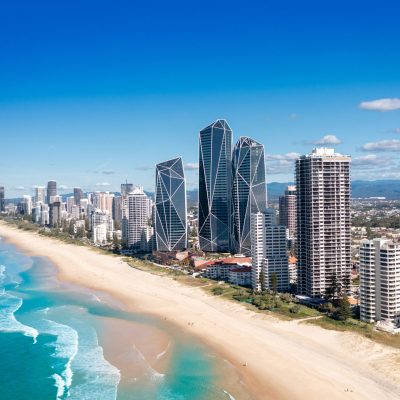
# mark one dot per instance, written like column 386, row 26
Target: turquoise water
column 50, row 343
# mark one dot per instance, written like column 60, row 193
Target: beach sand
column 276, row 359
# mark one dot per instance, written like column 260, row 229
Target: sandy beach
column 284, row 360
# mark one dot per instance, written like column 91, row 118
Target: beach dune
column 275, row 359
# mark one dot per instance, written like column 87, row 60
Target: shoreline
column 285, row 359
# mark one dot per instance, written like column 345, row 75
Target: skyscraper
column 117, row 209
column 55, row 214
column 126, row 188
column 51, row 190
column 170, row 207
column 379, row 282
column 268, row 251
column 78, row 195
column 287, row 211
column 40, row 196
column 215, row 147
column 138, row 218
column 323, row 222
column 103, row 201
column 2, row 201
column 249, row 194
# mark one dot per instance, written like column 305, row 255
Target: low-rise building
column 240, row 276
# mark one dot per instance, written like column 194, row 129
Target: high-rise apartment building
column 102, row 226
column 269, row 253
column 78, row 195
column 27, row 205
column 51, row 191
column 117, row 209
column 380, row 283
column 215, row 148
column 44, row 215
column 287, row 211
column 40, row 194
column 323, row 222
column 248, row 191
column 70, row 203
column 170, row 206
column 2, row 199
column 103, row 201
column 138, row 218
column 55, row 214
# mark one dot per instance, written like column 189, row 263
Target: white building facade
column 138, row 220
column 269, row 252
column 323, row 222
column 380, row 283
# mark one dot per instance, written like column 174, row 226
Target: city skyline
column 288, row 80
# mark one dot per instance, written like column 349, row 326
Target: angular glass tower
column 170, row 207
column 249, row 194
column 215, row 147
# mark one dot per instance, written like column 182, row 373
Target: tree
column 343, row 312
column 370, row 234
column 261, row 280
column 274, row 283
column 274, row 287
column 332, row 291
column 71, row 229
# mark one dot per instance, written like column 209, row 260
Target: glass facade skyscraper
column 170, row 208
column 249, row 194
column 51, row 190
column 215, row 155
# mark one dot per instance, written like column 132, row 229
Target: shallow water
column 53, row 341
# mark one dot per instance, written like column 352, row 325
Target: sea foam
column 9, row 304
column 65, row 347
column 101, row 379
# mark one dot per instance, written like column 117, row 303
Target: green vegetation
column 377, row 221
column 356, row 326
column 283, row 305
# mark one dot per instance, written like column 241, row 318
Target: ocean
column 54, row 338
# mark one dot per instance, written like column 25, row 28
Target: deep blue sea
column 50, row 344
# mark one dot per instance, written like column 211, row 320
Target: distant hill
column 359, row 189
column 384, row 188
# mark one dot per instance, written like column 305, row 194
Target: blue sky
column 93, row 93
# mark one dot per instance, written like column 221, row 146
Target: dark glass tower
column 78, row 195
column 249, row 194
column 215, row 147
column 170, row 207
column 51, row 190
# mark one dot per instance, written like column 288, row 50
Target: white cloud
column 328, row 139
column 191, row 166
column 381, row 104
column 63, row 187
column 19, row 188
column 287, row 156
column 281, row 163
column 382, row 145
column 292, row 117
column 370, row 161
column 103, row 184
